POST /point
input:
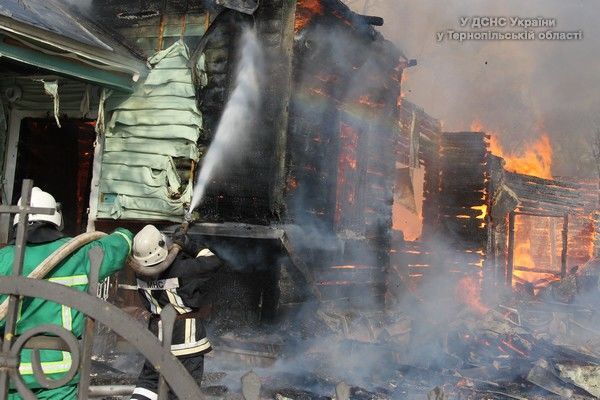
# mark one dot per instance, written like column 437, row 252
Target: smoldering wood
column 540, row 213
column 455, row 184
column 370, row 20
column 464, row 151
column 471, row 136
column 549, row 198
column 538, row 270
column 542, row 376
column 462, row 213
column 470, row 233
column 565, row 246
column 558, row 186
column 557, row 196
column 511, row 250
column 543, row 181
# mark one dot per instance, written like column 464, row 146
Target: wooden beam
column 542, row 181
column 536, row 270
column 511, row 249
column 552, row 227
column 539, row 214
column 565, row 244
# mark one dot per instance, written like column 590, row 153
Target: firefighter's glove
column 179, row 237
column 186, row 244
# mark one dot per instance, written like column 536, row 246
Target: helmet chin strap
column 156, row 269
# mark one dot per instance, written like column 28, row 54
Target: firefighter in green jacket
column 44, row 236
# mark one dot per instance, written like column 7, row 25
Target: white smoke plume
column 515, row 88
column 454, row 83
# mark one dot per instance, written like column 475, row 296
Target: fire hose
column 79, row 241
column 56, row 257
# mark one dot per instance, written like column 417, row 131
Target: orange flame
column 347, row 164
column 469, row 293
column 535, row 160
column 523, row 252
column 484, row 210
column 367, row 101
column 292, row 184
column 523, row 258
column 305, row 11
column 403, row 80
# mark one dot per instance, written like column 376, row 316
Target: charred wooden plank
column 547, row 182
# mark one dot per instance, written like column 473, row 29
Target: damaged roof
column 45, row 15
column 49, row 35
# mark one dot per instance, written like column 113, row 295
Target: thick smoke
column 514, row 94
column 517, row 89
column 238, row 119
column 326, row 343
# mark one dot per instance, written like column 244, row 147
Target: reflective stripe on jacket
column 72, row 272
column 184, row 285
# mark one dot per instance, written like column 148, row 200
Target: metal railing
column 170, row 369
column 54, row 337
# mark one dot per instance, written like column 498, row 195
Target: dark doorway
column 59, row 160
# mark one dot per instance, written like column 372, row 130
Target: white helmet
column 42, row 199
column 150, row 246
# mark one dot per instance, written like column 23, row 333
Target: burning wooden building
column 494, row 216
column 320, row 155
column 114, row 113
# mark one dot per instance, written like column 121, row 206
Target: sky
column 516, row 89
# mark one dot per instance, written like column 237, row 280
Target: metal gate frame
column 171, row 371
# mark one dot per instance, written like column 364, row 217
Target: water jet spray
column 238, row 118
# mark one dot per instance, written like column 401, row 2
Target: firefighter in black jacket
column 184, row 285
